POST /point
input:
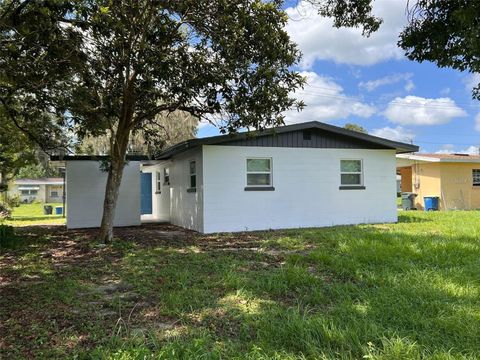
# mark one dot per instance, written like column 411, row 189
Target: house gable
column 308, row 138
column 305, row 135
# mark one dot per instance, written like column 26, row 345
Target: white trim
column 29, row 188
column 464, row 159
column 190, row 174
column 166, row 175
column 352, row 173
column 259, row 172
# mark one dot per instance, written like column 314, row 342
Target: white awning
column 29, row 188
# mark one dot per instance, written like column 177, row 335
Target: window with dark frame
column 193, row 175
column 259, row 172
column 351, row 173
column 54, row 193
column 476, row 177
column 166, row 176
column 159, row 181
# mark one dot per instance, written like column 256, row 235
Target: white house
column 46, row 190
column 304, row 175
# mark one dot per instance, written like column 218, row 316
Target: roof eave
column 399, row 147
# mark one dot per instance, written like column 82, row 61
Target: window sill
column 259, row 188
column 191, row 190
column 352, row 187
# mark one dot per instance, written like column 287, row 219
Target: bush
column 14, row 201
column 5, row 211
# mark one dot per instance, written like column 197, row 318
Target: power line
column 354, row 99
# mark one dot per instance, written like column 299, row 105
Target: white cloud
column 326, row 101
column 396, row 134
column 319, row 40
column 445, row 91
column 414, row 110
column 450, row 149
column 471, row 81
column 409, row 85
column 388, row 80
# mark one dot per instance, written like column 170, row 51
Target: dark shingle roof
column 224, row 139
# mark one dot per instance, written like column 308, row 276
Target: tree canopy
column 355, row 127
column 100, row 67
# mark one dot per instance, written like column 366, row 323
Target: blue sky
column 368, row 81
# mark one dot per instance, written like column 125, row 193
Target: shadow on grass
column 352, row 292
column 34, row 218
column 412, row 219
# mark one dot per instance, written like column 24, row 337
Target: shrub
column 5, row 211
column 14, row 201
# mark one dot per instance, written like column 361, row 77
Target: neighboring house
column 47, row 190
column 304, row 175
column 399, row 184
column 454, row 178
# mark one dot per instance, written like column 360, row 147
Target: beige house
column 454, row 178
column 47, row 190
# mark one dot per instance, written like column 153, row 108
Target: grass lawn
column 400, row 291
column 32, row 214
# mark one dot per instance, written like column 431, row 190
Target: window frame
column 270, row 159
column 54, row 193
column 192, row 175
column 476, row 183
column 361, row 185
column 158, row 178
column 166, row 176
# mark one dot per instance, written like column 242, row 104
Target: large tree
column 128, row 61
column 16, row 151
column 169, row 129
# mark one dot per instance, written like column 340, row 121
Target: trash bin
column 408, row 201
column 47, row 209
column 431, row 203
column 58, row 210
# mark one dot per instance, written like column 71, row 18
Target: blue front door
column 146, row 193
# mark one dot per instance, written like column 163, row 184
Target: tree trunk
column 111, row 195
column 115, row 172
column 118, row 153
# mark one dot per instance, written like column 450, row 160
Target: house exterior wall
column 86, row 191
column 406, row 182
column 39, row 197
column 186, row 208
column 49, row 193
column 160, row 199
column 426, row 182
column 306, row 182
column 457, row 186
column 451, row 182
